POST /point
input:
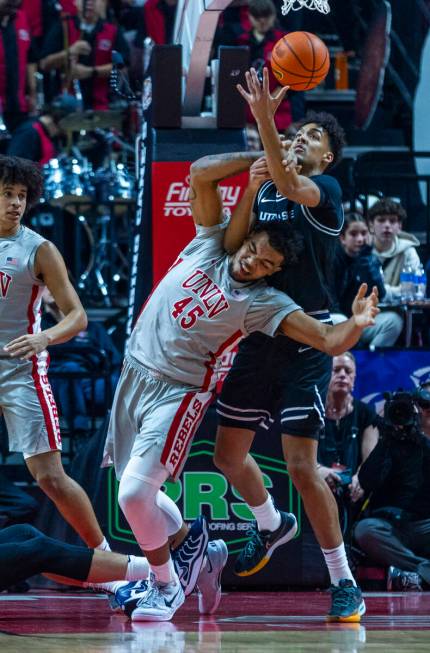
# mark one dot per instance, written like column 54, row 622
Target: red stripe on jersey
column 230, row 342
column 41, row 384
column 182, row 430
column 178, row 260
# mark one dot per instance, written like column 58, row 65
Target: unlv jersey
column 198, row 312
column 306, row 282
column 20, row 290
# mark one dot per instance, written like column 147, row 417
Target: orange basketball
column 300, row 60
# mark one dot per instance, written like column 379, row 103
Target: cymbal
column 88, row 120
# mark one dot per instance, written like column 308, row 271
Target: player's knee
column 302, row 472
column 52, row 482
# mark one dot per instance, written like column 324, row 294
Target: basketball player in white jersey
column 28, row 263
column 206, row 303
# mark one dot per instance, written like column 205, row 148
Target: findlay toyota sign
column 172, row 224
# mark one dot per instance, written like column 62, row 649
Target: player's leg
column 321, row 509
column 69, row 497
column 32, row 422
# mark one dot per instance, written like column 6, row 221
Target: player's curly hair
column 386, row 206
column 335, row 132
column 282, row 237
column 15, row 170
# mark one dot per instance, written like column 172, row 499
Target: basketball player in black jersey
column 278, row 376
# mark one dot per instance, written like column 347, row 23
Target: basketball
column 300, row 60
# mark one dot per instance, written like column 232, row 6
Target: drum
column 114, row 184
column 69, row 232
column 68, row 181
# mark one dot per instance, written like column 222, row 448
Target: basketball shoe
column 160, row 601
column 261, row 544
column 209, row 580
column 347, row 603
column 188, row 557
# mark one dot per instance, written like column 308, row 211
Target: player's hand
column 291, row 163
column 258, row 173
column 27, row 346
column 365, row 309
column 261, row 102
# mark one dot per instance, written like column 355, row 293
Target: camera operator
column 396, row 530
column 350, row 430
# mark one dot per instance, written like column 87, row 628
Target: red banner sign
column 172, row 223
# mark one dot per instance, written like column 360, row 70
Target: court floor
column 245, row 622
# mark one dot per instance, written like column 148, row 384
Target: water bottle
column 420, row 282
column 406, row 283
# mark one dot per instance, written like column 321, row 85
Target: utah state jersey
column 306, row 282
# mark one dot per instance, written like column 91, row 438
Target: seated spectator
column 18, row 58
column 260, row 39
column 350, row 432
column 37, row 138
column 396, row 530
column 354, row 264
column 87, row 58
column 394, row 248
column 74, row 394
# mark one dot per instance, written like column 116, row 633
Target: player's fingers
column 362, row 291
column 243, row 93
column 265, row 80
column 281, row 93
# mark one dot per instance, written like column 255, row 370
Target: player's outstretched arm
column 205, row 175
column 50, row 267
column 263, row 105
column 334, row 340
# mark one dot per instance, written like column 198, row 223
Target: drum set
column 94, row 207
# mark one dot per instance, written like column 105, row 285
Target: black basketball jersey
column 306, row 282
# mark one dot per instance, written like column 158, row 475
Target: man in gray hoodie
column 394, row 248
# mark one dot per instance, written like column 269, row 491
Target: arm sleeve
column 328, row 215
column 268, row 310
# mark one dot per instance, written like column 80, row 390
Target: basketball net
column 295, row 5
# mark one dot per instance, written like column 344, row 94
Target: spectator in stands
column 17, row 65
column 354, row 264
column 396, row 533
column 394, row 248
column 350, row 432
column 37, row 138
column 74, row 395
column 80, row 46
column 260, row 38
column 157, row 21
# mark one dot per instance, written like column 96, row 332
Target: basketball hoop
column 295, row 5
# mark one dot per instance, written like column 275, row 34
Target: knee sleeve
column 137, row 497
column 171, row 512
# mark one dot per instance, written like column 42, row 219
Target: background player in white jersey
column 272, row 376
column 206, row 302
column 28, row 263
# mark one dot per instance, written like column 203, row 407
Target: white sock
column 165, row 573
column 137, row 568
column 103, row 546
column 337, row 564
column 268, row 518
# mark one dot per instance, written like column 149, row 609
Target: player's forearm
column 74, row 322
column 341, row 337
column 216, row 167
column 285, row 182
column 241, row 221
